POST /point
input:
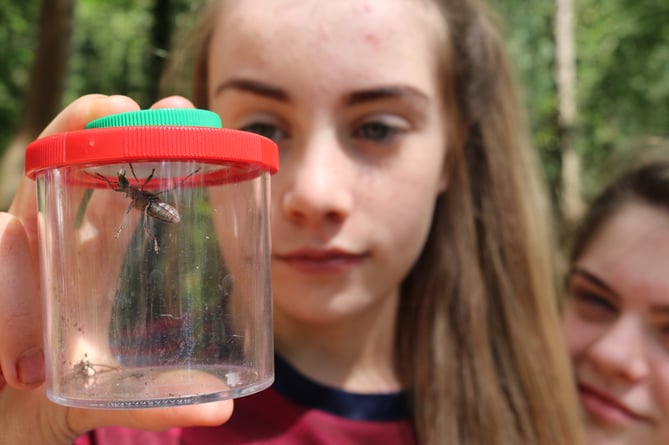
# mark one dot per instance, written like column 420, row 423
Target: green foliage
column 115, row 48
column 110, row 45
column 622, row 65
column 622, row 51
column 623, row 56
column 17, row 43
column 112, row 51
column 529, row 34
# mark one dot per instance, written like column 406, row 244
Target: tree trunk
column 43, row 98
column 571, row 194
column 160, row 40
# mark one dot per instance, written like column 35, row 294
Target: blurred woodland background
column 595, row 75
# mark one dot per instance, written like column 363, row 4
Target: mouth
column 607, row 409
column 314, row 260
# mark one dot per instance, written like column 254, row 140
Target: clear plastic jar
column 155, row 261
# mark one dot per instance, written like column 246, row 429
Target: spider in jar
column 148, row 202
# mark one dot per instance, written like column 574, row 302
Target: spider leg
column 124, row 222
column 148, row 178
column 132, row 170
column 105, row 179
column 184, row 179
column 146, row 181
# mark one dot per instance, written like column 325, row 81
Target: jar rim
column 151, row 143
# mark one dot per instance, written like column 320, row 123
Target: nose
column 318, row 181
column 619, row 354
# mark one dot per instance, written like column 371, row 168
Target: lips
column 607, row 409
column 315, row 260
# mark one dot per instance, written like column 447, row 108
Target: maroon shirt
column 295, row 410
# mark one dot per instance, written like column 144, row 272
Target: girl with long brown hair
column 413, row 291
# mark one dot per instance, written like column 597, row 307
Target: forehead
column 631, row 252
column 371, row 38
column 340, row 20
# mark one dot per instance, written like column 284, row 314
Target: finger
column 74, row 117
column 19, row 245
column 21, row 356
column 173, row 102
column 27, row 417
column 87, row 108
column 153, row 419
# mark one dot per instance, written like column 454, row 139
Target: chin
column 597, row 435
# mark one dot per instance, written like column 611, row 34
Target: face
column 348, row 90
column 617, row 328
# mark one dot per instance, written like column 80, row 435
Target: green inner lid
column 180, row 117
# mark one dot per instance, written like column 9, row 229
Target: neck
column 355, row 354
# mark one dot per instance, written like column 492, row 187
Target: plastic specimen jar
column 154, row 260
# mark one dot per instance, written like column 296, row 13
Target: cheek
column 400, row 219
column 401, row 202
column 579, row 335
column 663, row 389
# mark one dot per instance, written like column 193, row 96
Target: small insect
column 150, row 203
column 84, row 368
column 87, row 370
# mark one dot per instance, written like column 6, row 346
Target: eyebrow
column 660, row 308
column 594, row 279
column 657, row 308
column 388, row 92
column 356, row 97
column 254, row 87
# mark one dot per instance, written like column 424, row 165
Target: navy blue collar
column 298, row 388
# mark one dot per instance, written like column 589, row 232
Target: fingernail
column 30, row 368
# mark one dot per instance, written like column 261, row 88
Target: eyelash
column 381, row 131
column 593, row 305
column 270, row 131
column 377, row 132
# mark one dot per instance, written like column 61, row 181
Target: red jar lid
column 166, row 135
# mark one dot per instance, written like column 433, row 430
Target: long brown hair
column 478, row 338
column 479, row 312
column 646, row 183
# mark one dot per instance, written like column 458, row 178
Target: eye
column 595, row 300
column 664, row 330
column 661, row 324
column 593, row 305
column 270, row 131
column 381, row 129
column 375, row 131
